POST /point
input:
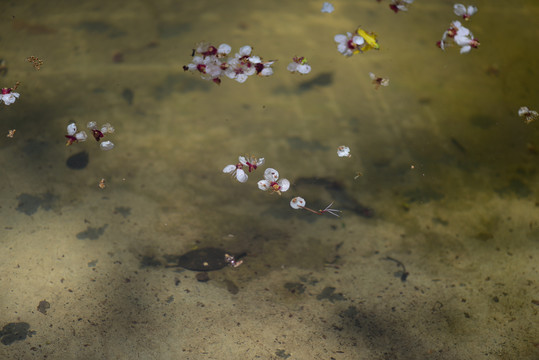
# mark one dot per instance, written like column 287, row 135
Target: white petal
column 230, row 73
column 71, row 129
column 255, row 59
column 465, row 49
column 264, row 185
column 462, row 31
column 304, row 69
column 245, row 50
column 260, row 162
column 459, row 9
column 471, row 10
column 342, row 48
column 242, row 160
column 297, row 202
column 81, row 136
column 241, row 78
column 462, row 40
column 340, row 38
column 106, row 145
column 271, row 174
column 249, row 71
column 442, row 42
column 107, row 129
column 266, row 71
column 224, row 49
column 241, row 175
column 293, row 67
column 229, row 169
column 358, row 40
column 284, row 184
column 92, row 125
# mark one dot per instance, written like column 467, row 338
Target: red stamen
column 70, row 139
column 97, row 134
column 201, row 68
column 251, row 166
column 259, row 67
column 394, row 8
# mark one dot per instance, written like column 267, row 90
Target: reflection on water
column 442, row 180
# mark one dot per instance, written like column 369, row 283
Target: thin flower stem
column 328, row 209
column 311, row 210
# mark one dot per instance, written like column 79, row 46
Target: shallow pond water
column 435, row 254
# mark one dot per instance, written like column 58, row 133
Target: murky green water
column 449, row 185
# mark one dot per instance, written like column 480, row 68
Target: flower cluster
column 465, row 12
column 8, row 95
column 299, row 65
column 527, row 114
column 237, row 170
column 271, row 183
column 73, row 136
column 271, row 176
column 212, row 63
column 358, row 42
column 100, row 133
column 459, row 35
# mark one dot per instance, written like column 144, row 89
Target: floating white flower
column 527, row 114
column 299, row 64
column 465, row 12
column 343, row 151
column 8, row 95
column 361, row 41
column 251, row 162
column 297, row 203
column 348, row 45
column 237, row 170
column 73, row 136
column 378, row 81
column 271, row 182
column 461, row 36
column 400, row 5
column 99, row 133
column 327, row 8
